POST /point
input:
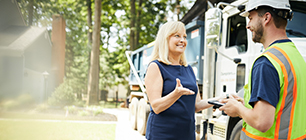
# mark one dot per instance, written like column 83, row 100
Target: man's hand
column 232, row 105
column 239, row 99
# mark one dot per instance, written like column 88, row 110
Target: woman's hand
column 181, row 90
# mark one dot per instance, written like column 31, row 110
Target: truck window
column 296, row 27
column 240, row 79
column 237, row 33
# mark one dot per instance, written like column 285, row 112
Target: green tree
column 74, row 13
column 76, row 63
column 114, row 69
column 93, row 80
column 144, row 18
column 132, row 25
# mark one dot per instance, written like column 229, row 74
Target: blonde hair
column 161, row 45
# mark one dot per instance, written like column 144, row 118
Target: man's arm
column 261, row 117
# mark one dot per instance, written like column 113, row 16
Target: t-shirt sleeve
column 265, row 82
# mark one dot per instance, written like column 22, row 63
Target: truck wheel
column 142, row 116
column 236, row 131
column 133, row 112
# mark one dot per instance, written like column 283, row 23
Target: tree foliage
column 115, row 27
column 151, row 15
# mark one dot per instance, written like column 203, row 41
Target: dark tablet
column 216, row 103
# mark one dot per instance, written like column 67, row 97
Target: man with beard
column 275, row 95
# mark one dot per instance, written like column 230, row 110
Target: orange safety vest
column 290, row 113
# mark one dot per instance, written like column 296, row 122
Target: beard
column 258, row 33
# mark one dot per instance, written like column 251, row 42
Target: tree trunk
column 178, row 8
column 89, row 22
column 30, row 13
column 132, row 25
column 89, row 33
column 93, row 81
column 138, row 23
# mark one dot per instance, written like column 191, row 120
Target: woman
column 171, row 87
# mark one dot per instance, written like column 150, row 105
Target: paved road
column 123, row 130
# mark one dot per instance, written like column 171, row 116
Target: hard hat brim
column 244, row 14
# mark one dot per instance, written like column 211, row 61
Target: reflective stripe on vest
column 284, row 117
column 283, row 125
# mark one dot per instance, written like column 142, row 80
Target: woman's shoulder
column 157, row 62
column 188, row 67
column 153, row 64
column 153, row 69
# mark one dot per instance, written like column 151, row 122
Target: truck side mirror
column 213, row 28
column 237, row 60
column 241, row 8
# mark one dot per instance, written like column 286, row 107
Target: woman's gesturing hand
column 181, row 90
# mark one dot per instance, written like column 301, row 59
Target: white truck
column 222, row 53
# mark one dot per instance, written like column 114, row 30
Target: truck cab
column 221, row 52
column 231, row 52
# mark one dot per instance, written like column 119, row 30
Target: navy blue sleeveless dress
column 178, row 121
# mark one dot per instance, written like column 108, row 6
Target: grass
column 55, row 130
column 27, row 126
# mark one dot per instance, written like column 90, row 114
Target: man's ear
column 267, row 18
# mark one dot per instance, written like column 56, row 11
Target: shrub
column 79, row 103
column 71, row 109
column 21, row 102
column 10, row 104
column 41, row 108
column 96, row 110
column 25, row 99
column 63, row 95
column 83, row 113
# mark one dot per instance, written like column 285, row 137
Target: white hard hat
column 277, row 4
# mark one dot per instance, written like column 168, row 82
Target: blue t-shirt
column 265, row 80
